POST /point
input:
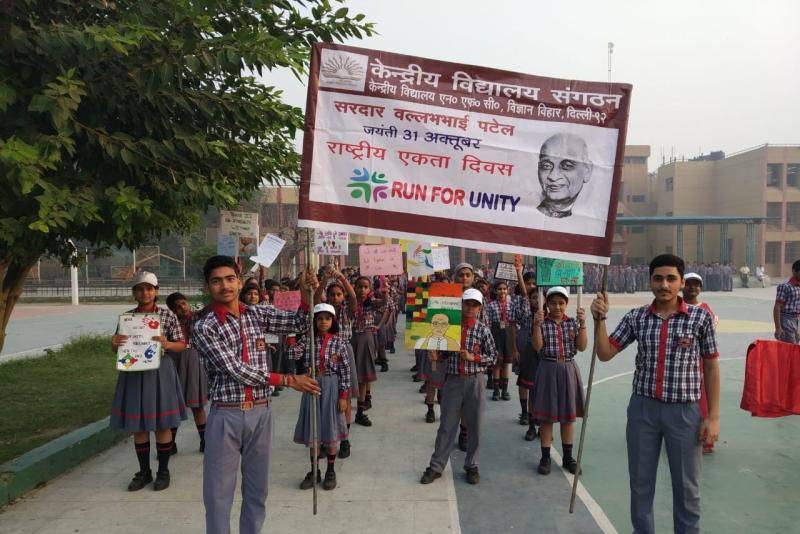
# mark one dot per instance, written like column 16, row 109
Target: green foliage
column 121, row 121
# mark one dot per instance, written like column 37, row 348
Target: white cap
column 558, row 290
column 322, row 307
column 144, row 277
column 472, row 294
column 693, row 276
column 463, row 265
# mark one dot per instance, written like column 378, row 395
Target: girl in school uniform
column 150, row 401
column 528, row 363
column 558, row 395
column 333, row 376
column 365, row 326
column 191, row 372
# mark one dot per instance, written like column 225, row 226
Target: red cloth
column 772, row 379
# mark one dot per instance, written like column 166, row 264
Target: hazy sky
column 706, row 74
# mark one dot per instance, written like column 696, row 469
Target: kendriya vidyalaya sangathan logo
column 369, row 186
column 342, row 70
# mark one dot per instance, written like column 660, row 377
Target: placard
column 331, row 242
column 380, row 259
column 139, row 352
column 505, row 271
column 243, row 225
column 419, row 260
column 410, row 147
column 226, row 245
column 439, row 326
column 440, row 257
column 554, row 272
column 287, row 300
column 268, row 250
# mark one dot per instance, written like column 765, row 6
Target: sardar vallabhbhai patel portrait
column 564, row 167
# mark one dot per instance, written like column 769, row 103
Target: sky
column 706, row 74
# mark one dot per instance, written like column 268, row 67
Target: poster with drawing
column 139, row 352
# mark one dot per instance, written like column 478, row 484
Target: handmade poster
column 226, row 245
column 287, row 300
column 139, row 352
column 380, row 259
column 244, row 226
column 419, row 259
column 505, row 271
column 440, row 257
column 416, row 301
column 330, row 242
column 440, row 326
column 413, row 148
column 553, row 272
column 268, row 250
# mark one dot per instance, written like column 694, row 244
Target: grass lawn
column 44, row 398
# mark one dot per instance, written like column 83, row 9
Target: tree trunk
column 13, row 272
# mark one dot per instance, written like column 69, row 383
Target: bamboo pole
column 313, row 359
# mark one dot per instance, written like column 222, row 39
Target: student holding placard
column 150, row 401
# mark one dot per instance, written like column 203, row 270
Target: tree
column 121, row 121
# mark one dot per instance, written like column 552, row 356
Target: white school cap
column 472, row 294
column 145, row 277
column 322, row 307
column 558, row 290
column 463, row 265
column 693, row 276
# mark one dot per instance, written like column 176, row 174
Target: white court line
column 597, row 512
column 452, row 502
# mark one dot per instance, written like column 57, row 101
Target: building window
column 637, row 229
column 773, row 252
column 775, row 215
column 668, row 214
column 791, row 174
column 793, row 215
column 638, row 160
column 637, row 198
column 669, row 183
column 774, row 171
column 792, row 251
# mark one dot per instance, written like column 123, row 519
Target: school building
column 742, row 208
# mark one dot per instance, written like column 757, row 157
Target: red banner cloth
column 772, row 379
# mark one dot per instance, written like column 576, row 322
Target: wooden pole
column 588, row 396
column 313, row 359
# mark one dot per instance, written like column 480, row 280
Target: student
column 672, row 339
column 150, row 401
column 340, row 294
column 333, row 376
column 191, row 373
column 786, row 311
column 504, row 313
column 251, row 292
column 528, row 364
column 462, row 394
column 691, row 295
column 364, row 328
column 240, row 422
column 558, row 396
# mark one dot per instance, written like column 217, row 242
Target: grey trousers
column 678, row 424
column 231, row 434
column 789, row 326
column 462, row 399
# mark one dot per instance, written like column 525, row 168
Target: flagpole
column 588, row 395
column 313, row 359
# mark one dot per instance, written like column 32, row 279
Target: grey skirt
column 528, row 365
column 331, row 426
column 558, row 395
column 434, row 377
column 365, row 352
column 353, row 378
column 193, row 379
column 146, row 401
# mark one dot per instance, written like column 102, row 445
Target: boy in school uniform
column 786, row 311
column 230, row 339
column 673, row 338
column 462, row 394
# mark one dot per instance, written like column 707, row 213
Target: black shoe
column 530, row 435
column 344, row 449
column 414, row 369
column 473, row 477
column 416, row 378
column 174, row 450
column 506, row 396
column 308, row 482
column 523, row 418
column 391, row 349
column 202, row 446
column 429, row 476
column 430, row 417
column 490, row 382
column 368, row 404
column 570, row 464
column 362, row 419
column 438, row 396
column 384, row 367
column 330, row 480
column 496, row 395
column 462, row 442
column 162, row 481
column 423, row 388
column 140, row 480
column 544, row 466
column 276, row 392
